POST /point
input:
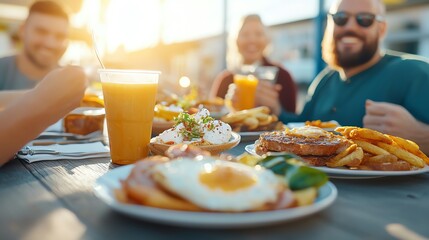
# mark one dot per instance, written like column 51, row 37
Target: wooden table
column 54, row 200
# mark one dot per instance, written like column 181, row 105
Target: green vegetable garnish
column 192, row 128
column 296, row 174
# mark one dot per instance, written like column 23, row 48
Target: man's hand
column 61, row 90
column 392, row 119
column 29, row 114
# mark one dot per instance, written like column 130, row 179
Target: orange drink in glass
column 245, row 91
column 129, row 98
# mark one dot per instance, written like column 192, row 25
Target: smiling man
column 364, row 85
column 44, row 36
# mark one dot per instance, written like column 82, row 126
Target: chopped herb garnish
column 207, row 119
column 191, row 128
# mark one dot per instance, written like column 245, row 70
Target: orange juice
column 129, row 114
column 245, row 91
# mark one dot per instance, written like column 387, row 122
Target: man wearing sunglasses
column 360, row 75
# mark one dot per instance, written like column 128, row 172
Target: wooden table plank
column 29, row 211
column 363, row 209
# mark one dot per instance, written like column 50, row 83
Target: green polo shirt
column 398, row 79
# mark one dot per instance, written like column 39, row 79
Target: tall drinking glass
column 129, row 97
column 245, row 91
column 267, row 73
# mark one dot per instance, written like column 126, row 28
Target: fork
column 69, row 136
column 28, row 151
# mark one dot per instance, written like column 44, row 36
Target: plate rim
column 250, row 134
column 105, row 184
column 348, row 173
column 235, row 137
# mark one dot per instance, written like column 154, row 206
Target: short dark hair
column 49, row 8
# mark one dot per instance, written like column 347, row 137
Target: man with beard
column 363, row 85
column 44, row 35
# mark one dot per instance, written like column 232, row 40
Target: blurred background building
column 188, row 37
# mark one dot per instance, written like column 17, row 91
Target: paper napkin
column 83, row 151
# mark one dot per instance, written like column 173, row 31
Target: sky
column 136, row 24
column 190, row 19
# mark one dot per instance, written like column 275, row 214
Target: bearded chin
column 35, row 61
column 356, row 59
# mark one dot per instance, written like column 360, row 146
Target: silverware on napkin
column 29, row 151
column 68, row 151
column 69, row 136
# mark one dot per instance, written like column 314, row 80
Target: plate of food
column 327, row 125
column 252, row 122
column 164, row 117
column 198, row 129
column 216, row 106
column 357, row 153
column 203, row 197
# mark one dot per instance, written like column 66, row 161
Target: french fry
column 262, row 109
column 371, row 148
column 402, row 154
column 386, row 163
column 383, row 158
column 408, row 145
column 242, row 115
column 234, row 117
column 319, row 123
column 315, row 123
column 251, row 122
column 366, row 133
column 345, row 131
column 275, row 118
column 344, row 153
column 251, row 119
column 266, row 121
column 352, row 160
column 423, row 156
column 261, row 116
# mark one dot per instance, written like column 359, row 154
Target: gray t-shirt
column 10, row 76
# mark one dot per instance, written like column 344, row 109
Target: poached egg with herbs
column 197, row 128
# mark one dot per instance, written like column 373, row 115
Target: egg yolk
column 226, row 178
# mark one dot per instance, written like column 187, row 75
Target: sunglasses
column 363, row 19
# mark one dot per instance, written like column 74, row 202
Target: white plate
column 250, row 136
column 348, row 173
column 105, row 185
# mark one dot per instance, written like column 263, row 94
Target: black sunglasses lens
column 340, row 18
column 365, row 19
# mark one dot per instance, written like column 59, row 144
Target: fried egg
column 219, row 185
column 310, row 132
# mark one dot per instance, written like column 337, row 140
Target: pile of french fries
column 319, row 123
column 373, row 147
column 252, row 119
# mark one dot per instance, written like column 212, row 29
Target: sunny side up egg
column 219, row 185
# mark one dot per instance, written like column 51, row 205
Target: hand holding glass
column 245, row 91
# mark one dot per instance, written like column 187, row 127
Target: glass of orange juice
column 129, row 98
column 245, row 91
